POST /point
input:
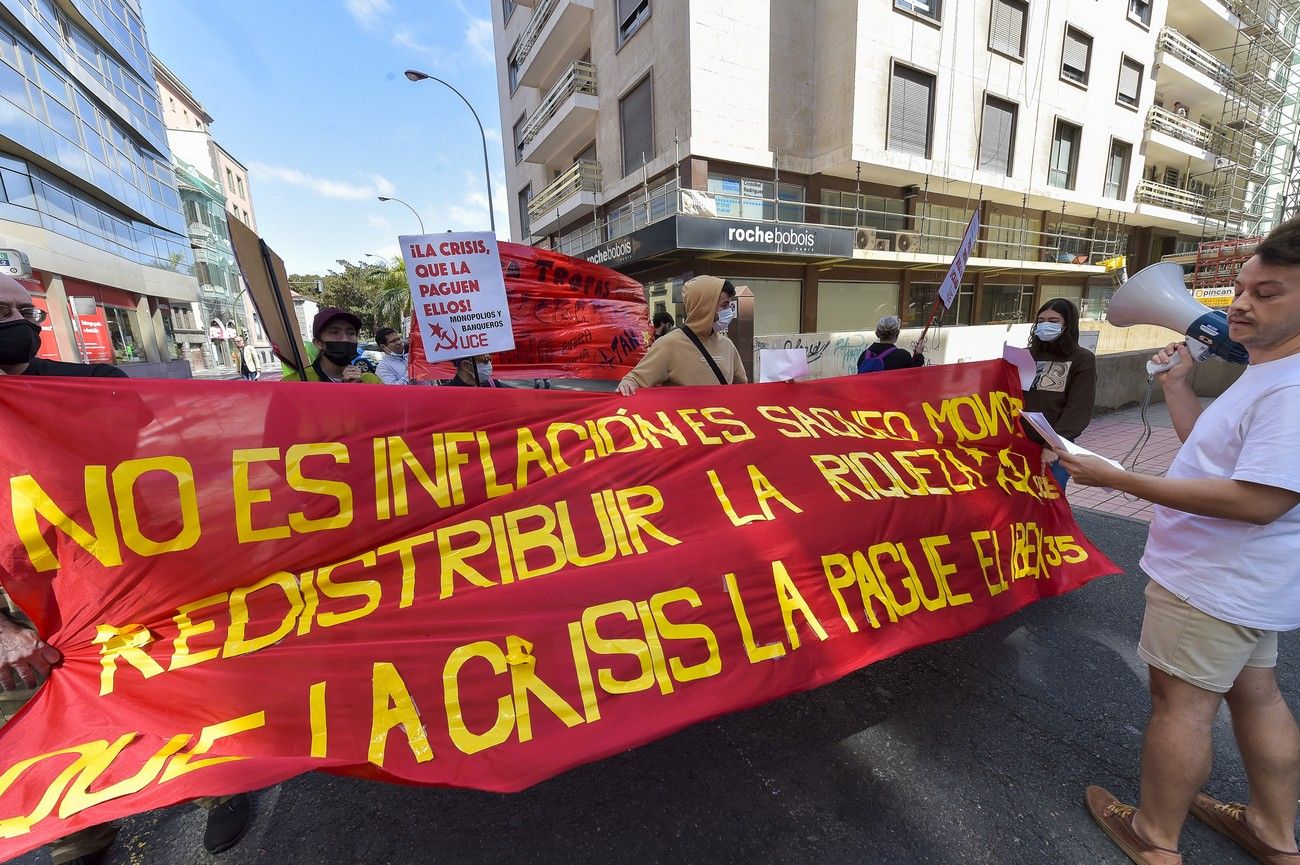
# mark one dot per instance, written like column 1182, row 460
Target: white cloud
column 377, row 221
column 478, row 38
column 324, row 187
column 368, row 12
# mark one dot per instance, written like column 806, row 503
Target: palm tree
column 392, row 304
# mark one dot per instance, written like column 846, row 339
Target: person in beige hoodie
column 674, row 357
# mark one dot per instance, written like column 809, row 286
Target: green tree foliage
column 355, row 288
column 393, row 296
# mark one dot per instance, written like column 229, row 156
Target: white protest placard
column 952, row 282
column 458, row 293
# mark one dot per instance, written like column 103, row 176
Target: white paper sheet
column 782, row 364
column 1023, row 361
column 1036, row 420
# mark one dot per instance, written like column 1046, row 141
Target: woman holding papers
column 1066, row 384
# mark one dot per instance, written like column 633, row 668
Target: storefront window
column 744, row 198
column 127, row 345
column 941, row 228
column 872, row 211
column 169, row 333
column 1005, row 304
column 920, row 301
column 1067, row 242
column 1072, row 293
column 1011, row 236
column 848, row 306
column 776, row 304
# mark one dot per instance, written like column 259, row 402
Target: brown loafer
column 1229, row 819
column 1116, row 820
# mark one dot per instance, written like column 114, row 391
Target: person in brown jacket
column 1066, row 385
column 677, row 358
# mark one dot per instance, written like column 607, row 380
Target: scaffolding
column 1252, row 185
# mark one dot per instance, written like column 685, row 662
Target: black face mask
column 339, row 352
column 19, row 342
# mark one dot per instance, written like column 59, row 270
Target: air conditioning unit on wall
column 864, row 238
column 883, row 244
column 907, row 241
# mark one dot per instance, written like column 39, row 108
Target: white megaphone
column 1156, row 295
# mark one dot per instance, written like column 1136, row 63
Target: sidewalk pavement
column 1114, row 435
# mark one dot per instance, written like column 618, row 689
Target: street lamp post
column 408, row 207
column 416, row 75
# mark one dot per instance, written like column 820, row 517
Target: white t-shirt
column 1234, row 570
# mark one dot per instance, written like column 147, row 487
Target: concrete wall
column 1122, row 380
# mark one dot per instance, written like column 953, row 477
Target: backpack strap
column 713, row 365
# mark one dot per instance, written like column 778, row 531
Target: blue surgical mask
column 724, row 319
column 1046, row 331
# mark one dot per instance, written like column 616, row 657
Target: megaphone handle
column 1199, row 352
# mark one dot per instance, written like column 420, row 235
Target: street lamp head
column 384, row 198
column 415, row 75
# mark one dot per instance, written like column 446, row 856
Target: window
column 845, row 306
column 239, row 184
column 1116, row 185
column 507, row 9
column 631, row 15
column 517, row 131
column 513, row 67
column 870, row 211
column 931, row 9
column 746, row 198
column 1007, row 27
column 636, row 125
column 1129, row 90
column 525, row 224
column 778, row 303
column 920, row 301
column 1065, row 155
column 911, row 103
column 1076, row 56
column 1140, row 12
column 1005, row 304
column 1011, row 236
column 997, row 135
column 230, row 181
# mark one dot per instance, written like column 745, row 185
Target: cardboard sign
column 458, row 293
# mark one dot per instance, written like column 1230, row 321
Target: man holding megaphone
column 1223, row 555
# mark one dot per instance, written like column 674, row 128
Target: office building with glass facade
column 87, row 190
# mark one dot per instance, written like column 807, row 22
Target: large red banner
column 482, row 588
column 571, row 319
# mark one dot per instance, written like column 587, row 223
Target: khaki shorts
column 1198, row 648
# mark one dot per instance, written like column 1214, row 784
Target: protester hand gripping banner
column 571, row 319
column 482, row 588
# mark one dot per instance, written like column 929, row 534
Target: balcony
column 1186, row 71
column 565, row 120
column 1169, row 206
column 570, row 195
column 558, row 33
column 1177, row 135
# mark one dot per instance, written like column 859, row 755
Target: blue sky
column 311, row 97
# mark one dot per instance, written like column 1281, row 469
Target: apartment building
column 90, row 215
column 830, row 153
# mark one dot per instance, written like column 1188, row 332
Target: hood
column 700, row 297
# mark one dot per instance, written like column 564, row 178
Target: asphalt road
column 972, row 751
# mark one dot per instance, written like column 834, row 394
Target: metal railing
column 1150, row 192
column 580, row 78
column 876, row 231
column 1194, row 55
column 582, row 176
column 1178, row 126
column 528, row 39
